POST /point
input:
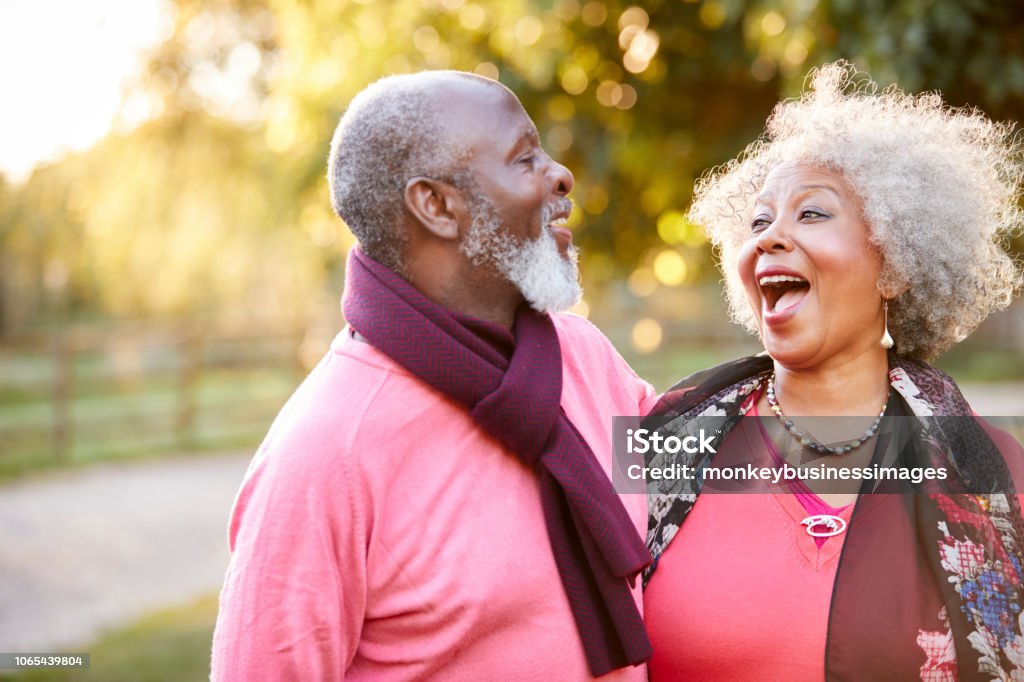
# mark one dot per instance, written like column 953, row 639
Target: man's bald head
column 393, row 131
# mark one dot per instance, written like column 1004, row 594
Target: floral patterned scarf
column 962, row 537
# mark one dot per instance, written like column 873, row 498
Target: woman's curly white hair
column 939, row 188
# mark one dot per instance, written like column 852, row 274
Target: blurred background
column 170, row 267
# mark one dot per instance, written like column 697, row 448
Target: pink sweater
column 379, row 534
column 763, row 588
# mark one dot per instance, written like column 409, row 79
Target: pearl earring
column 886, row 341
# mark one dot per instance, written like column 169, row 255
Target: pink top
column 743, row 592
column 811, row 503
column 767, row 585
column 379, row 534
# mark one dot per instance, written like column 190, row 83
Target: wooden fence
column 86, row 391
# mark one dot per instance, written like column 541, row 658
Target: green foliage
column 219, row 200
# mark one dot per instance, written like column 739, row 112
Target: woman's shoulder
column 698, row 387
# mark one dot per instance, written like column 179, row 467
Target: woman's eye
column 812, row 214
column 529, row 159
column 760, row 223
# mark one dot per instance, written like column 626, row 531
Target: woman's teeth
column 775, row 279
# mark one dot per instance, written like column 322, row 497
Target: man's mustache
column 559, row 207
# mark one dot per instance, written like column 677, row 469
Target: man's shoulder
column 584, row 344
column 355, row 392
column 349, row 376
column 589, row 359
column 573, row 326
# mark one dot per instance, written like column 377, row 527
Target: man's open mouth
column 555, row 215
column 782, row 291
column 558, row 221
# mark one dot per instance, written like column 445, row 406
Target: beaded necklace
column 808, row 442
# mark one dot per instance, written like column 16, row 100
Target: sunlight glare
column 72, row 60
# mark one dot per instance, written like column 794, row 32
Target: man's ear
column 436, row 205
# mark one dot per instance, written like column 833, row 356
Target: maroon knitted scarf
column 512, row 387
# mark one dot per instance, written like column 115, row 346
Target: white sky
column 63, row 64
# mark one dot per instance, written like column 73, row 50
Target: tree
column 220, row 198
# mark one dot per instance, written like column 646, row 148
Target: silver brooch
column 834, row 525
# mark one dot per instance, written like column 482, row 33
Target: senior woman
column 859, row 240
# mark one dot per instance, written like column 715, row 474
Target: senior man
column 434, row 501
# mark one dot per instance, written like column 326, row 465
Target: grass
column 167, row 646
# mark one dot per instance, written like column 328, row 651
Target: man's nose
column 562, row 181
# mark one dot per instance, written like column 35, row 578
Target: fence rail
column 84, row 392
column 87, row 391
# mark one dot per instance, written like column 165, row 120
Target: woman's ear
column 890, row 286
column 436, row 205
column 894, row 290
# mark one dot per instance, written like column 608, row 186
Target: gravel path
column 82, row 551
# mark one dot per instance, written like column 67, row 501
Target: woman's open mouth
column 782, row 292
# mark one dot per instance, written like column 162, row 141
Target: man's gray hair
column 391, row 132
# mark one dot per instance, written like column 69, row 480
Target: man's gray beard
column 548, row 282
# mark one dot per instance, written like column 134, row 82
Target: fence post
column 191, row 349
column 63, row 385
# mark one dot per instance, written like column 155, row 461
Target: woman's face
column 809, row 271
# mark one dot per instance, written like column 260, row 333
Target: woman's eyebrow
column 801, row 190
column 804, row 189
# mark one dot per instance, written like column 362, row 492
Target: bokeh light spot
column 670, row 268
column 773, row 24
column 608, row 93
column 472, row 17
column 487, row 70
column 712, row 14
column 795, row 53
column 671, row 227
column 528, row 30
column 582, row 309
column 574, row 80
column 559, row 138
column 426, row 39
column 567, row 10
column 628, row 97
column 561, row 108
column 594, row 13
column 642, row 282
column 634, row 16
column 646, row 336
